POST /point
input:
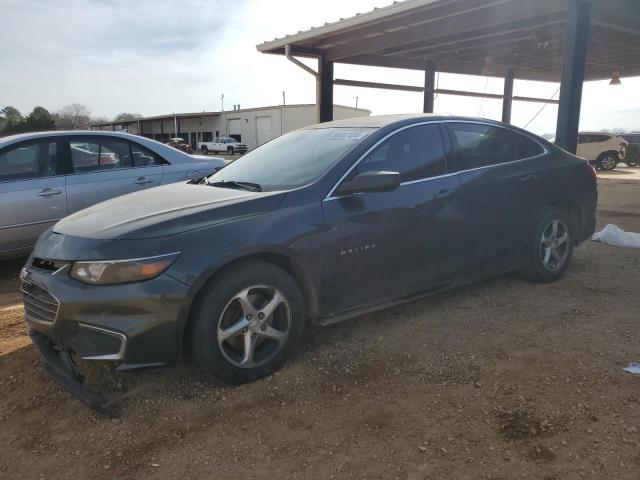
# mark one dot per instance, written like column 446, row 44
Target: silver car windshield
column 292, row 160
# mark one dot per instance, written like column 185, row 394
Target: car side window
column 29, row 160
column 143, row 157
column 415, row 153
column 527, row 148
column 95, row 154
column 478, row 145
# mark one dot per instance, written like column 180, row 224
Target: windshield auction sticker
column 347, row 135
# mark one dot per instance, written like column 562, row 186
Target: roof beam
column 619, row 15
column 384, row 86
column 493, row 15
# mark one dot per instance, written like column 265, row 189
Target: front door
column 32, row 193
column 391, row 244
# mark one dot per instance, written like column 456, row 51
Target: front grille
column 39, row 305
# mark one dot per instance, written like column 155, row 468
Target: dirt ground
column 499, row 380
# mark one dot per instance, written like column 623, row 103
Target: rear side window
column 416, row 153
column 527, row 147
column 143, row 157
column 477, row 145
column 88, row 155
column 29, row 160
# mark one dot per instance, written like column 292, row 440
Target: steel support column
column 507, row 100
column 325, row 90
column 429, row 87
column 573, row 66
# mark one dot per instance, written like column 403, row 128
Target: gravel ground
column 499, row 380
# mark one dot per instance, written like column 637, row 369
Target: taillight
column 592, row 171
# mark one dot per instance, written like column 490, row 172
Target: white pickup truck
column 222, row 144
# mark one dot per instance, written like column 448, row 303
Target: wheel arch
column 278, row 257
column 573, row 211
column 607, row 152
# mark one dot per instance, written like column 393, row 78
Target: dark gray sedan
column 316, row 226
column 46, row 176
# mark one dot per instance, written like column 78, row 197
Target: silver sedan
column 46, row 176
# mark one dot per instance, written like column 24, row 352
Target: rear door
column 501, row 183
column 106, row 167
column 32, row 192
column 391, row 244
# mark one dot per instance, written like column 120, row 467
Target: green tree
column 40, row 120
column 12, row 121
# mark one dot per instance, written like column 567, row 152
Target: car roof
column 32, row 135
column 379, row 121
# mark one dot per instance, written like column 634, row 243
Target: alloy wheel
column 254, row 326
column 554, row 245
column 608, row 162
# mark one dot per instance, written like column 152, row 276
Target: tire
column 229, row 317
column 204, row 149
column 230, row 151
column 608, row 160
column 548, row 257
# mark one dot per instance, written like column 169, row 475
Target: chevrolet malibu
column 45, row 176
column 319, row 225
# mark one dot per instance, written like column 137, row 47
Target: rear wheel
column 608, row 160
column 551, row 248
column 204, row 149
column 230, row 150
column 247, row 323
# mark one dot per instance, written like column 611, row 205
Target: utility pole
column 222, row 101
column 284, row 98
column 357, row 101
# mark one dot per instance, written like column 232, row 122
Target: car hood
column 166, row 210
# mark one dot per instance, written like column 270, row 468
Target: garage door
column 234, row 127
column 263, row 125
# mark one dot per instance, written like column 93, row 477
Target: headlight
column 109, row 272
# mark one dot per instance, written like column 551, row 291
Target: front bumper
column 131, row 324
column 58, row 363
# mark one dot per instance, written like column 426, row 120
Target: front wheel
column 551, row 248
column 247, row 323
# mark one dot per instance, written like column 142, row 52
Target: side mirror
column 380, row 181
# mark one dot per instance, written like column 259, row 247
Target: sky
column 161, row 57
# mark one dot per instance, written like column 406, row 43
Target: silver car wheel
column 254, row 326
column 608, row 162
column 554, row 245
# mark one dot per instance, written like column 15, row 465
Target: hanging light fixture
column 488, row 68
column 615, row 78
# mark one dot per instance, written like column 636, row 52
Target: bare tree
column 126, row 117
column 73, row 117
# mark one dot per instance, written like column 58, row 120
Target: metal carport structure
column 567, row 41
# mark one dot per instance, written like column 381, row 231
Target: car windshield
column 292, row 160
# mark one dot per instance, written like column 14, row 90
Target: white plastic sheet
column 633, row 368
column 614, row 235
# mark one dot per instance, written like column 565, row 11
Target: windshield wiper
column 252, row 187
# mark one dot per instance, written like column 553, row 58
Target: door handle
column 49, row 192
column 143, row 181
column 442, row 194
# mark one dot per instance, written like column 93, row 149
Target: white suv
column 222, row 144
column 601, row 149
